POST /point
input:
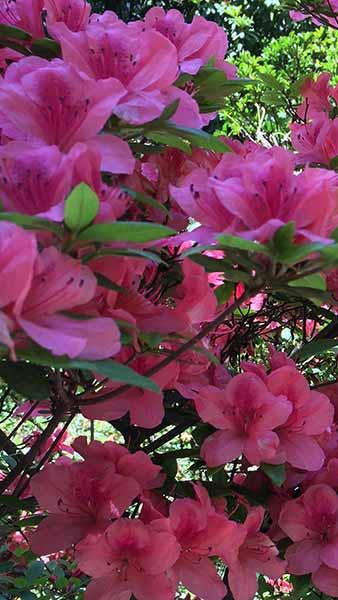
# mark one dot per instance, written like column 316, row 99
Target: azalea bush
column 168, row 315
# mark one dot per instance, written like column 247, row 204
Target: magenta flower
column 246, row 414
column 74, row 13
column 312, row 524
column 145, row 64
column 256, row 554
column 51, row 103
column 33, row 179
column 24, row 14
column 61, row 284
column 130, row 558
column 18, row 252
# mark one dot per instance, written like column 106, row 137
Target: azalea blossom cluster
column 132, row 242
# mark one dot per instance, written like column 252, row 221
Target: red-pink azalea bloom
column 312, row 414
column 201, row 533
column 60, row 284
column 246, row 414
column 130, row 558
column 256, row 554
column 51, row 103
column 145, row 407
column 111, row 455
column 311, row 522
column 83, row 497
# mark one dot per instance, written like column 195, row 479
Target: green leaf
column 224, row 292
column 125, row 231
column 145, row 199
column 27, row 595
column 169, row 139
column 231, row 241
column 135, row 253
column 109, row 284
column 15, row 33
column 214, row 265
column 46, row 48
column 283, row 238
column 169, row 110
column 32, row 222
column 315, row 281
column 316, row 348
column 330, row 254
column 271, row 81
column 81, row 207
column 276, row 473
column 298, row 252
column 35, row 570
column 198, row 138
column 28, row 380
column 109, row 368
column 13, row 502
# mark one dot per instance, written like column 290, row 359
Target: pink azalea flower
column 242, row 199
column 332, row 5
column 311, row 522
column 201, row 533
column 195, row 300
column 317, row 141
column 246, row 414
column 51, row 103
column 144, row 63
column 60, row 284
column 33, row 178
column 196, row 43
column 111, row 455
column 74, row 13
column 256, row 554
column 18, row 253
column 145, row 408
column 83, row 497
column 130, row 558
column 24, row 14
column 312, row 414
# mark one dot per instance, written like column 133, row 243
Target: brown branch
column 28, row 458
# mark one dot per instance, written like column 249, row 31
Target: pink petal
column 59, row 532
column 302, row 451
column 156, row 587
column 108, row 588
column 221, row 447
column 242, row 582
column 92, row 339
column 326, row 580
column 198, row 574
